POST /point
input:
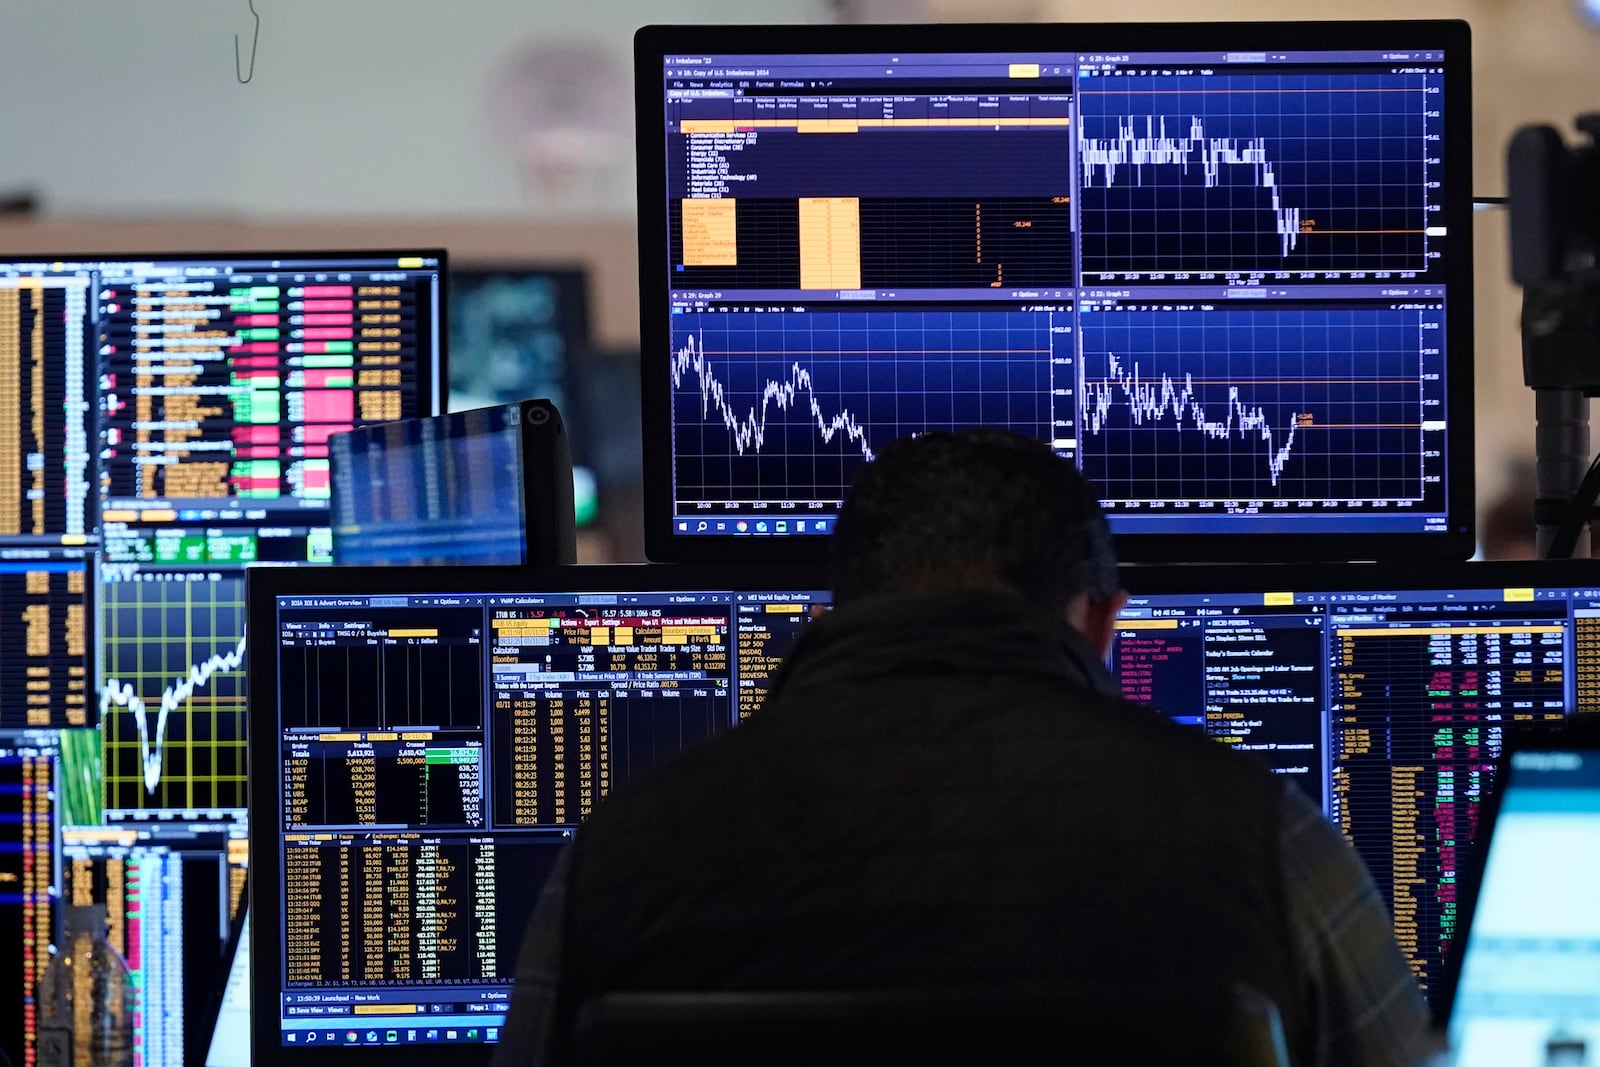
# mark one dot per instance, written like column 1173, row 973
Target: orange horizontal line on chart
column 880, row 352
column 693, row 126
column 1209, row 92
column 1296, row 381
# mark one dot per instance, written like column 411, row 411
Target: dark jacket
column 940, row 790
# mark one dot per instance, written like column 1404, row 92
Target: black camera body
column 1555, row 257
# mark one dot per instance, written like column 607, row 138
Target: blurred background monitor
column 488, row 485
column 521, row 330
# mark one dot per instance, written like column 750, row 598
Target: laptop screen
column 230, row 1034
column 1529, row 986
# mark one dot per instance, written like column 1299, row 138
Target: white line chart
column 173, row 697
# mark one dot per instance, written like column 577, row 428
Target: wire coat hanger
column 244, row 78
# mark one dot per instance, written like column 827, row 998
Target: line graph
column 1306, row 403
column 749, row 432
column 1154, row 148
column 782, row 407
column 1259, row 172
column 1151, row 403
column 172, row 700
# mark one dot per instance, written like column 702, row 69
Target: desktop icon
column 372, row 1037
column 311, row 1037
column 742, row 526
column 472, row 1035
column 761, row 527
column 351, row 1036
column 289, row 1037
column 392, row 1035
column 702, row 527
column 783, row 526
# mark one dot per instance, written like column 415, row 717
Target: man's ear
column 1096, row 618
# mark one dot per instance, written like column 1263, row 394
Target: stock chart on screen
column 170, row 424
column 1225, row 269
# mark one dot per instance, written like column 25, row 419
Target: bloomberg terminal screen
column 1216, row 280
column 1389, row 707
column 212, row 383
column 443, row 746
column 436, row 750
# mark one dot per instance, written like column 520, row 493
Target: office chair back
column 1055, row 1024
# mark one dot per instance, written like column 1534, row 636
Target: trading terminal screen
column 444, row 744
column 434, row 751
column 173, row 412
column 1384, row 693
column 1226, row 269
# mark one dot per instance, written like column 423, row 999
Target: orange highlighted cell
column 830, row 242
column 710, row 232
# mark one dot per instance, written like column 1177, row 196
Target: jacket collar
column 963, row 631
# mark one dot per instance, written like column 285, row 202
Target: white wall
column 356, row 106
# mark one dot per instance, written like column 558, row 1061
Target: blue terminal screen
column 1218, row 282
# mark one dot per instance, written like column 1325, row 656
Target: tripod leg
column 1561, row 454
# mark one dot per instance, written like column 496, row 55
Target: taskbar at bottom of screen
column 439, row 1030
column 752, row 526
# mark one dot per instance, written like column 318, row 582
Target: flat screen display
column 1223, row 267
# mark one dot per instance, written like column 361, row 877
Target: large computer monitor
column 1384, row 691
column 423, row 735
column 181, row 409
column 1224, row 267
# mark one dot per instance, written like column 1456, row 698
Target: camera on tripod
column 1555, row 258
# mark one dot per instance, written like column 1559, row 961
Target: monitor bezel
column 265, row 879
column 653, row 43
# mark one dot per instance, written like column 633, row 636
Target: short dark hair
column 976, row 508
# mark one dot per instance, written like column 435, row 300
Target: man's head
column 978, row 509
